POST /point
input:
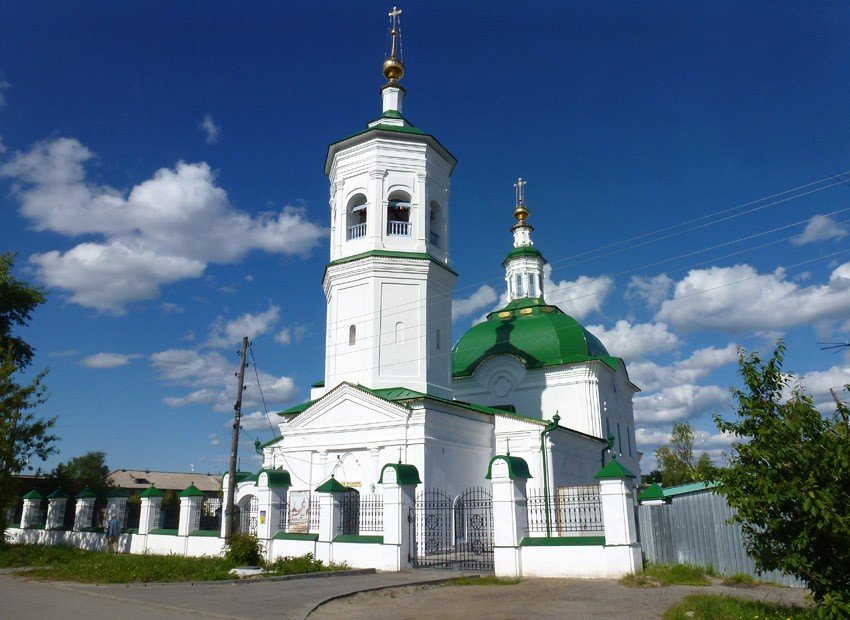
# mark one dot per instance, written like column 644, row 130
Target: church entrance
column 452, row 533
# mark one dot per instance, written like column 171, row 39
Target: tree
column 789, row 480
column 89, row 470
column 677, row 462
column 23, row 435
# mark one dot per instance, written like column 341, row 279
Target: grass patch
column 655, row 575
column 487, row 580
column 710, row 607
column 71, row 564
column 741, row 580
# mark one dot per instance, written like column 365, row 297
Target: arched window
column 352, row 335
column 436, row 224
column 399, row 332
column 356, row 214
column 398, row 214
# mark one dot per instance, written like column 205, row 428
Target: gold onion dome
column 393, row 66
column 520, row 212
column 393, row 69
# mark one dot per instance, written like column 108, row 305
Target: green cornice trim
column 86, row 493
column 58, row 494
column 294, row 410
column 613, row 470
column 524, row 250
column 151, row 491
column 563, row 541
column 118, row 493
column 292, row 536
column 33, row 495
column 359, row 538
column 405, row 473
column 387, row 254
column 332, row 485
column 191, row 491
column 318, row 384
column 271, row 441
column 652, row 492
column 517, row 467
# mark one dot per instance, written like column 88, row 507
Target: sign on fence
column 299, row 512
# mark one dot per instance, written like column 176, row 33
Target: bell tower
column 524, row 264
column 388, row 284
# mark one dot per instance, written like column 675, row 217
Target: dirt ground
column 534, row 598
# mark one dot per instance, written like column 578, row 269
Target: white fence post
column 508, row 475
column 149, row 512
column 190, row 510
column 56, row 504
column 398, row 482
column 272, row 487
column 330, row 493
column 84, row 511
column 618, row 516
column 30, row 517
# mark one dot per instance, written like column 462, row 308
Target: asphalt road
column 27, row 598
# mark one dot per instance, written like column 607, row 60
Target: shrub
column 244, row 549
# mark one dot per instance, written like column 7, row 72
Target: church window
column 436, row 224
column 437, row 340
column 518, row 285
column 629, row 440
column 356, row 215
column 352, row 335
column 607, row 428
column 399, row 332
column 398, row 214
column 619, row 440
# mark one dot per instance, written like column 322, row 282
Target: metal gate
column 454, row 534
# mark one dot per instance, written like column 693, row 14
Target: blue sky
column 161, row 174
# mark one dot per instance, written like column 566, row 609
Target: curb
column 351, row 572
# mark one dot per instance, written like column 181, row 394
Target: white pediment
column 348, row 407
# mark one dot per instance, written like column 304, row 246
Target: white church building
column 394, row 389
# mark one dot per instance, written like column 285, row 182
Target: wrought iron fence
column 169, row 516
column 132, row 515
column 99, row 516
column 315, row 509
column 210, row 517
column 350, row 522
column 70, row 514
column 371, row 514
column 571, row 510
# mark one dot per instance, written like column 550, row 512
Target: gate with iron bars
column 452, row 533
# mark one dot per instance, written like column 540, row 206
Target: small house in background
column 137, row 480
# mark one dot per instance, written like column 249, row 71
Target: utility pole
column 234, row 443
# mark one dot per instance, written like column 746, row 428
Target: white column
column 510, row 513
column 330, row 517
column 399, row 497
column 618, row 515
column 265, row 509
column 55, row 512
column 148, row 514
column 84, row 513
column 190, row 514
column 30, row 517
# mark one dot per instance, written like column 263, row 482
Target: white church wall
column 458, row 446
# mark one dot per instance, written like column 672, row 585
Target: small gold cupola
column 520, row 210
column 393, row 65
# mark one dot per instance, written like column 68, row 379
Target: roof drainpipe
column 551, row 426
column 609, row 445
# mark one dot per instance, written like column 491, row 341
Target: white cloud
column 209, row 127
column 165, row 229
column 680, row 402
column 3, row 86
column 67, row 353
column 820, row 228
column 2, row 146
column 635, row 341
column 478, row 300
column 653, row 290
column 650, row 376
column 108, row 360
column 818, row 382
column 259, row 421
column 170, row 308
column 579, row 297
column 213, row 437
column 293, row 333
column 212, row 377
column 225, row 333
column 739, row 299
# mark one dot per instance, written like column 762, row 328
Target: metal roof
column 138, row 479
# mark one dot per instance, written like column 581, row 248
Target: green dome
column 538, row 334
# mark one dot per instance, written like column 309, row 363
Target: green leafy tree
column 789, row 479
column 89, row 470
column 23, row 435
column 677, row 461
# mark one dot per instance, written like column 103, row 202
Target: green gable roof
column 277, row 477
column 332, row 485
column 86, row 493
column 405, row 473
column 58, row 494
column 539, row 334
column 652, row 492
column 613, row 470
column 517, row 467
column 151, row 491
column 191, row 491
column 33, row 495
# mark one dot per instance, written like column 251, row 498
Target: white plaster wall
column 365, row 555
column 295, row 548
column 580, row 562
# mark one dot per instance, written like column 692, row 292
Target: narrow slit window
column 437, row 340
column 352, row 335
column 399, row 332
column 619, row 440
